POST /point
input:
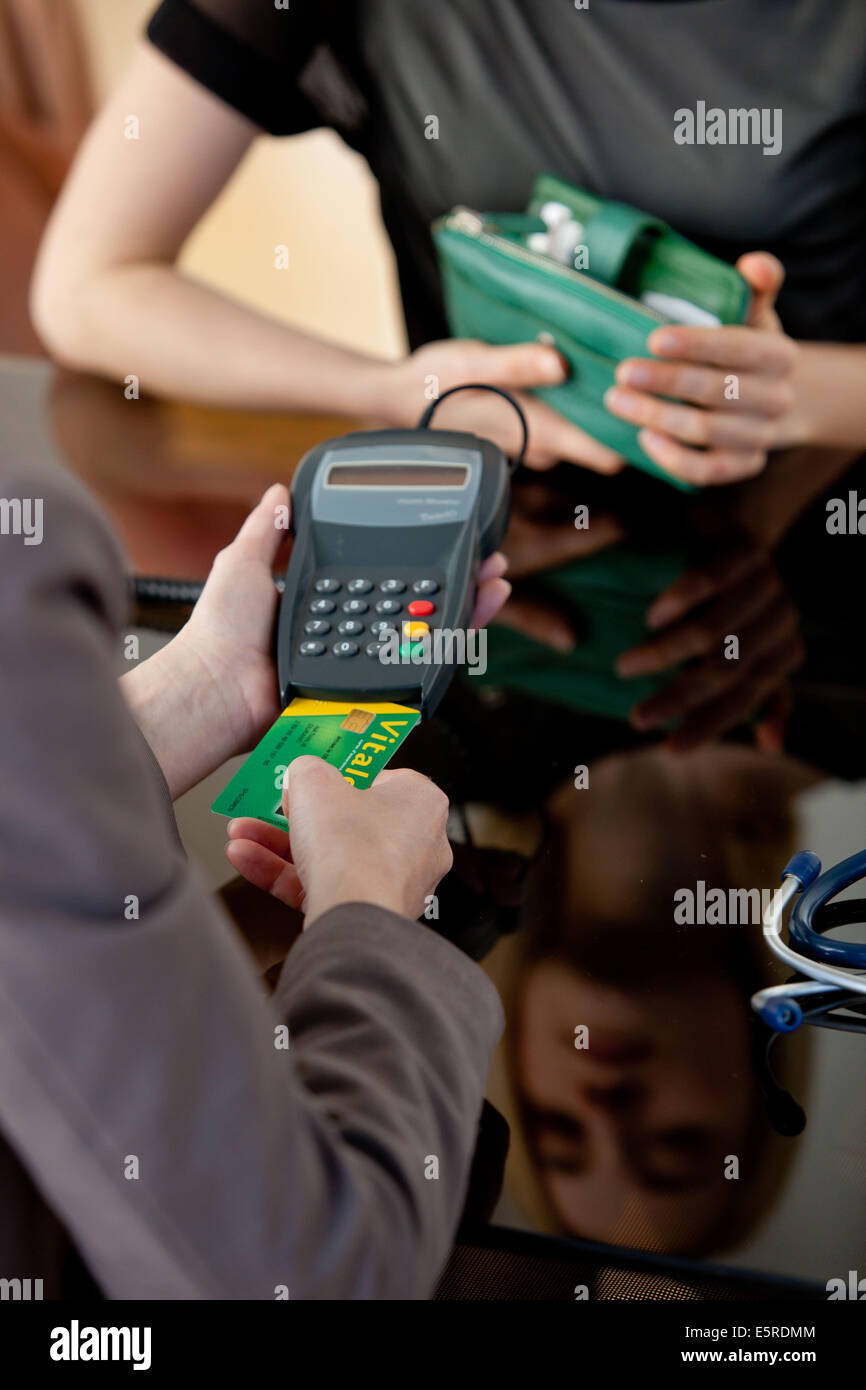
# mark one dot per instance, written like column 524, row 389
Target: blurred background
column 59, row 59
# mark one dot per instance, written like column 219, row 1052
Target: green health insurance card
column 356, row 738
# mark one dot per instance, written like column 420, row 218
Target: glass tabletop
column 673, row 704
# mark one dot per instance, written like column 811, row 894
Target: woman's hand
column 542, row 536
column 385, row 845
column 434, row 368
column 735, row 592
column 713, row 402
column 212, row 691
column 231, row 626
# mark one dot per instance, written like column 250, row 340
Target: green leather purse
column 626, row 276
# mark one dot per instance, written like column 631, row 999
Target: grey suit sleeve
column 143, row 1083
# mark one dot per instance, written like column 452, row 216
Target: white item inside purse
column 680, row 310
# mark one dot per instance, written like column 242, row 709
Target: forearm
column 175, row 700
column 186, row 340
column 766, row 507
column 829, row 396
column 280, row 1147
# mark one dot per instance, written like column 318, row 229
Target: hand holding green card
column 356, row 738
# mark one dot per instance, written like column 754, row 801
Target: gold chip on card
column 357, row 721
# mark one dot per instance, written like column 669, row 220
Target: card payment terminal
column 390, row 528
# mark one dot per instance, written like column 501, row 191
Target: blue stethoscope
column 833, row 967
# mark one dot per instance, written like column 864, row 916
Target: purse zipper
column 472, row 224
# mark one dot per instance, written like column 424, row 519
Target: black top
column 590, row 94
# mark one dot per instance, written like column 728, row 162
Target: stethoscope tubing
column 779, row 1005
column 816, row 970
column 814, row 896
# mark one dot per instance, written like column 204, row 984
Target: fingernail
column 649, row 440
column 632, row 664
column 663, row 340
column 230, row 827
column 554, row 368
column 661, row 613
column 623, row 402
column 633, row 374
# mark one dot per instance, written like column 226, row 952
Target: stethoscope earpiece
column 785, row 1115
column 783, row 1015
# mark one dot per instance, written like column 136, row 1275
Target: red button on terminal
column 421, row 608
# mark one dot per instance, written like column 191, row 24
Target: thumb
column 265, row 528
column 765, row 275
column 518, row 365
column 309, row 780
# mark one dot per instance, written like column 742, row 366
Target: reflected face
column 631, row 1133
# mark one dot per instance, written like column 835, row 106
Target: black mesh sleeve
column 248, row 53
